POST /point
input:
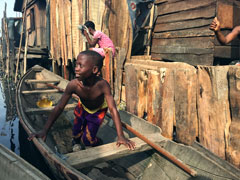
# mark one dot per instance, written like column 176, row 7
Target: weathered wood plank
column 181, row 25
column 40, row 91
column 202, row 12
column 120, row 29
column 119, row 74
column 181, row 50
column 75, row 31
column 228, row 14
column 178, row 6
column 49, row 109
column 160, row 100
column 142, row 79
column 35, row 81
column 196, row 32
column 213, row 108
column 233, row 146
column 185, row 105
column 205, row 59
column 152, row 95
column 68, row 28
column 105, row 152
column 229, row 52
column 206, row 42
column 131, row 88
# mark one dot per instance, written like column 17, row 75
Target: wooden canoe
column 14, row 167
column 107, row 161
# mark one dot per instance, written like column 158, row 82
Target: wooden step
column 35, row 81
column 40, row 91
column 49, row 109
column 106, row 152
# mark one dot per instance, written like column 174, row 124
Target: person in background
column 99, row 38
column 94, row 100
column 215, row 26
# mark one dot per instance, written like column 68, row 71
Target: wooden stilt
column 20, row 43
column 25, row 54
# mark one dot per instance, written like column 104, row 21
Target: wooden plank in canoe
column 40, row 91
column 88, row 157
column 34, row 81
column 49, row 109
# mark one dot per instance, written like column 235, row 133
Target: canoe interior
column 140, row 165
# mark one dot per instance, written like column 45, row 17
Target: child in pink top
column 99, row 38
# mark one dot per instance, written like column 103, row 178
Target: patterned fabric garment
column 104, row 42
column 86, row 124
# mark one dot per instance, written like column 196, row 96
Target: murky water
column 12, row 135
column 8, row 118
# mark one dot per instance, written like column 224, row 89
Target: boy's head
column 90, row 25
column 93, row 57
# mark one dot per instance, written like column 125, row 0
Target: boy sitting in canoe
column 95, row 98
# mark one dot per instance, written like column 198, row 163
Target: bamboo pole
column 25, row 53
column 150, row 29
column 161, row 150
column 7, row 40
column 20, row 43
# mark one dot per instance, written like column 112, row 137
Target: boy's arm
column 54, row 114
column 92, row 42
column 116, row 118
column 215, row 26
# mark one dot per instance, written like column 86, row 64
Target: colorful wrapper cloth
column 87, row 122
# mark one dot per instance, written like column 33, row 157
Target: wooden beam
column 94, row 155
column 34, row 81
column 49, row 109
column 40, row 91
column 20, row 43
column 25, row 53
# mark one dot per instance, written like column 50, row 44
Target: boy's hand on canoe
column 41, row 134
column 126, row 142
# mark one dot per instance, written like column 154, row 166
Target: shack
column 9, row 41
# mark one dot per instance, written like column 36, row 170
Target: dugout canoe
column 107, row 161
column 14, row 167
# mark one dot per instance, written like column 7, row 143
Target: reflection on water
column 8, row 117
column 12, row 135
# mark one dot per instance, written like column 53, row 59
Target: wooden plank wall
column 66, row 40
column 198, row 102
column 179, row 28
column 65, row 16
column 181, row 31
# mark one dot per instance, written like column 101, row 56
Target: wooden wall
column 189, row 103
column 37, row 37
column 181, row 31
column 65, row 16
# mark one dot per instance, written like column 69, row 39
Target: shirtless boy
column 95, row 98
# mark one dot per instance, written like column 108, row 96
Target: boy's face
column 84, row 67
column 90, row 30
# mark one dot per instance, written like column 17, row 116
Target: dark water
column 12, row 135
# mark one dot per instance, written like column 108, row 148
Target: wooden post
column 119, row 74
column 25, row 54
column 20, row 43
column 7, row 40
column 150, row 29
